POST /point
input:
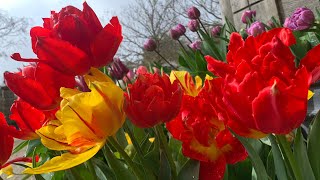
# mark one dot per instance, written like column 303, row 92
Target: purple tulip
column 118, row 69
column 256, row 28
column 301, row 19
column 177, row 31
column 249, row 14
column 193, row 25
column 215, row 31
column 193, row 13
column 196, row 45
column 150, row 45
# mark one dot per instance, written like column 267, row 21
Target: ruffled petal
column 65, row 161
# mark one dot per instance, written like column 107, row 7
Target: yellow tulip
column 84, row 123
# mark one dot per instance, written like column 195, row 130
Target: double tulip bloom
column 152, row 100
column 84, row 123
column 203, row 135
column 263, row 91
column 72, row 41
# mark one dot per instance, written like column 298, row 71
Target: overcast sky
column 36, row 9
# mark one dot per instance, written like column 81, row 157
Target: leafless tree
column 154, row 18
column 210, row 10
column 143, row 19
column 12, row 31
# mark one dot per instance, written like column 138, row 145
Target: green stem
column 164, row 146
column 91, row 169
column 138, row 149
column 125, row 156
column 287, row 150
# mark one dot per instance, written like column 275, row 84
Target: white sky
column 37, row 9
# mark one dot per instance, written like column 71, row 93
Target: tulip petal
column 219, row 68
column 91, row 18
column 312, row 62
column 62, row 56
column 212, row 170
column 106, row 43
column 29, row 90
column 65, row 161
column 6, row 141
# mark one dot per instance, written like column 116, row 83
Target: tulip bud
column 193, row 25
column 215, row 31
column 301, row 19
column 193, row 13
column 141, row 70
column 130, row 75
column 196, row 45
column 181, row 29
column 248, row 15
column 150, row 45
column 256, row 28
column 118, row 70
column 174, row 34
column 271, row 24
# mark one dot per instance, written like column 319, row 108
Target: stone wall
column 6, row 100
column 280, row 9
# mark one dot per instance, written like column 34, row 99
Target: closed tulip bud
column 150, row 45
column 181, row 29
column 256, row 28
column 118, row 69
column 196, row 45
column 248, row 15
column 174, row 34
column 301, row 19
column 141, row 70
column 215, row 31
column 193, row 25
column 193, row 13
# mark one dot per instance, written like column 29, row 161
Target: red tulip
column 39, row 85
column 152, row 99
column 6, row 145
column 72, row 41
column 263, row 91
column 204, row 135
column 6, row 141
column 28, row 119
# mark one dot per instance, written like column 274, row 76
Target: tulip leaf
column 301, row 156
column 210, row 46
column 230, row 25
column 314, row 146
column 121, row 138
column 102, row 170
column 270, row 166
column 278, row 160
column 241, row 170
column 254, row 157
column 117, row 166
column 20, row 146
column 165, row 170
column 190, row 170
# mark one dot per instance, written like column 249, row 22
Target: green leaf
column 278, row 160
column 241, row 170
column 190, row 170
column 254, row 157
column 165, row 170
column 102, row 170
column 271, row 167
column 117, row 166
column 301, row 156
column 38, row 177
column 20, row 146
column 314, row 146
column 121, row 138
column 210, row 46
